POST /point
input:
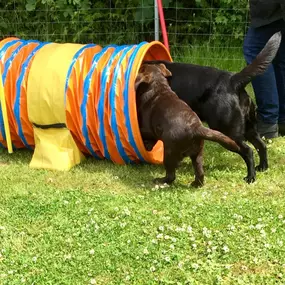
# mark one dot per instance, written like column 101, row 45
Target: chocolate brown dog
column 163, row 116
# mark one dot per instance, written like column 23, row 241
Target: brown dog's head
column 149, row 72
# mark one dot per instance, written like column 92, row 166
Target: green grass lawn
column 102, row 223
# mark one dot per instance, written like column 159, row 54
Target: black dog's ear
column 164, row 70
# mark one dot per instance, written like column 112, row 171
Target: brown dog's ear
column 141, row 78
column 164, row 70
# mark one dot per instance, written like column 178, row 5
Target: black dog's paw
column 161, row 180
column 262, row 166
column 249, row 179
column 197, row 184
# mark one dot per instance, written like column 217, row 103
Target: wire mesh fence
column 208, row 35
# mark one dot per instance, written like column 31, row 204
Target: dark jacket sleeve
column 264, row 12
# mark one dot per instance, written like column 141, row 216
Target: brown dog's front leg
column 197, row 162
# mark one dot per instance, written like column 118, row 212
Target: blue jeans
column 269, row 88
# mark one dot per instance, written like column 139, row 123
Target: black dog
column 219, row 98
column 163, row 116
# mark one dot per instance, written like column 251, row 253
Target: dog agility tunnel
column 66, row 100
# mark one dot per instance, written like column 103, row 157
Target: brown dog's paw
column 197, row 184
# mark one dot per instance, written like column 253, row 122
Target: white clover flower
column 273, row 230
column 189, row 229
column 267, row 245
column 116, row 209
column 2, row 228
column 167, row 258
column 34, row 259
column 93, row 281
column 128, row 277
column 172, row 246
column 243, row 267
column 152, row 269
column 154, row 212
column 173, row 239
column 180, row 264
column 161, row 228
column 194, row 245
column 195, row 266
column 154, row 241
column 122, row 225
column 67, row 256
column 226, row 249
column 145, row 251
column 259, row 226
column 65, row 202
column 10, row 272
column 166, row 237
column 159, row 236
column 280, row 242
column 127, row 212
column 92, row 251
column 280, row 217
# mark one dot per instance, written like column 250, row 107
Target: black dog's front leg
column 170, row 162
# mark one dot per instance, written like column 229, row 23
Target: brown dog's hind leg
column 197, row 162
column 170, row 162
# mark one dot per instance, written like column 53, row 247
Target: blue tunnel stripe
column 102, row 97
column 83, row 109
column 17, row 106
column 114, row 124
column 126, row 99
column 74, row 59
column 2, row 53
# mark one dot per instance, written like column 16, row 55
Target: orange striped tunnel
column 87, row 89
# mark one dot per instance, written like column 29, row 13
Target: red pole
column 162, row 24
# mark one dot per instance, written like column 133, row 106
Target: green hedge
column 124, row 21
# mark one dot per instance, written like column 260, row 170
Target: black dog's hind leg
column 247, row 154
column 170, row 162
column 253, row 137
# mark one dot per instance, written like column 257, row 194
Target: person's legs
column 265, row 87
column 279, row 67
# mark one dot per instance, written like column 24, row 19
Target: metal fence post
column 156, row 21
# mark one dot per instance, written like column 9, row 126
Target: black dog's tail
column 218, row 137
column 259, row 64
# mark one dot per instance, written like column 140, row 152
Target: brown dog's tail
column 259, row 64
column 218, row 137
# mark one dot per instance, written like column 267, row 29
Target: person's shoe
column 281, row 129
column 269, row 131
